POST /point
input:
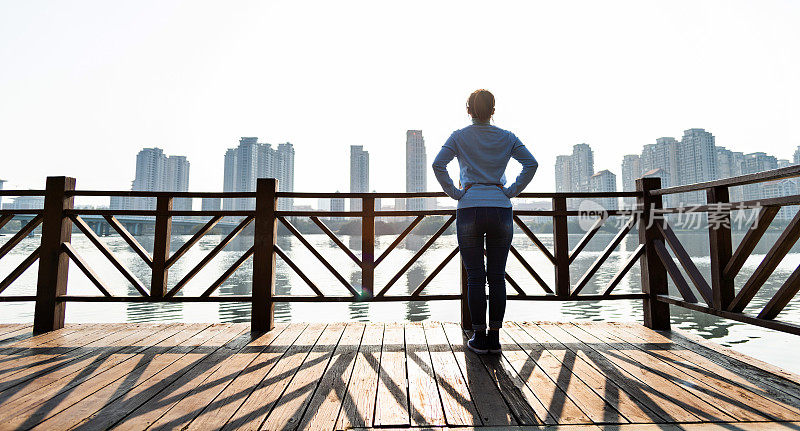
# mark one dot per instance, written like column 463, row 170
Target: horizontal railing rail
column 231, row 195
column 741, row 180
column 22, row 193
column 654, row 252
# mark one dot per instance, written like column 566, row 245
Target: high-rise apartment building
column 797, row 156
column 284, row 172
column 697, row 162
column 210, row 204
column 754, row 163
column 359, row 174
column 229, row 178
column 582, row 167
column 156, row 172
column 631, row 170
column 416, row 169
column 665, row 182
column 337, row 205
column 662, row 155
column 658, row 173
column 150, row 165
column 780, row 188
column 574, row 171
column 693, row 159
column 729, row 164
column 26, row 203
column 604, row 181
column 176, row 174
column 252, row 160
column 563, row 174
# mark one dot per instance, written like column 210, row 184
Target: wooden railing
column 59, row 216
column 721, row 297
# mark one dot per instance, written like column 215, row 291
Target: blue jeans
column 495, row 226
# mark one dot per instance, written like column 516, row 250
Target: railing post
column 561, row 248
column 653, row 273
column 466, row 319
column 367, row 247
column 53, row 264
column 719, row 239
column 161, row 242
column 262, row 316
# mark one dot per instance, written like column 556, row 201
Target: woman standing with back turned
column 484, row 210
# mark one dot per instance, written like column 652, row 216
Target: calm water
column 774, row 347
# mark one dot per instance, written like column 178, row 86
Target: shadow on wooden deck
column 355, row 375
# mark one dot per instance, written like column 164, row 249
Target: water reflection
column 416, row 310
column 358, row 311
column 414, row 242
column 288, row 283
column 149, row 311
column 239, row 284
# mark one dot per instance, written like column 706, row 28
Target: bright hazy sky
column 84, row 85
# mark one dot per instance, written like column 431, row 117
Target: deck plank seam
column 494, row 384
column 519, row 419
column 767, row 390
column 559, row 401
column 637, row 392
column 294, row 374
column 211, row 374
column 173, row 378
column 439, row 380
column 548, row 374
column 76, row 380
column 244, row 397
column 696, row 383
column 608, row 381
column 725, row 360
column 691, row 390
column 573, row 375
column 57, row 359
column 692, row 364
column 693, row 410
column 267, row 374
column 328, row 363
column 52, row 414
column 346, row 389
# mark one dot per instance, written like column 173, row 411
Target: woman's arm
column 445, row 156
column 529, row 166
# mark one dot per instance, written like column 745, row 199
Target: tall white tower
column 359, row 174
column 631, row 170
column 252, row 160
column 416, row 169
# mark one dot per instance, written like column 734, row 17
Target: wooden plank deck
column 353, row 375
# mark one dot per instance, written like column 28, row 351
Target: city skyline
column 696, row 158
column 659, row 157
column 155, row 172
column 251, row 160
